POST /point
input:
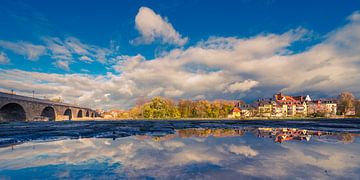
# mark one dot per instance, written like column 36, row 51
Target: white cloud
column 86, row 59
column 153, row 27
column 4, row 59
column 71, row 47
column 173, row 93
column 76, row 46
column 127, row 63
column 220, row 67
column 30, row 51
column 58, row 49
column 62, row 64
column 242, row 86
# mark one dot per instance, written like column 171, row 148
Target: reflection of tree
column 277, row 134
column 346, row 137
column 184, row 133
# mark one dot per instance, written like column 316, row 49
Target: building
column 247, row 110
column 292, row 105
column 322, row 107
column 265, row 107
column 235, row 113
column 282, row 105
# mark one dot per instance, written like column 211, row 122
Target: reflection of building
column 286, row 134
column 276, row 134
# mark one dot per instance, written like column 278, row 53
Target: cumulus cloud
column 127, row 63
column 30, row 51
column 222, row 67
column 242, row 86
column 152, row 26
column 4, row 59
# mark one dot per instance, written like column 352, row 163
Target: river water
column 322, row 149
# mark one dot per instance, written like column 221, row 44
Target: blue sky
column 134, row 48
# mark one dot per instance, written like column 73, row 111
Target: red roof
column 236, row 109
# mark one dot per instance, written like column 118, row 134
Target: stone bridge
column 22, row 108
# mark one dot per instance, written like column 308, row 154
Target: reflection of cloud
column 244, row 150
column 169, row 158
column 192, row 156
column 173, row 144
column 333, row 158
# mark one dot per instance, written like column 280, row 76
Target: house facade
column 282, row 105
column 322, row 107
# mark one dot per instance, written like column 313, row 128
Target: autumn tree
column 357, row 107
column 226, row 107
column 346, row 101
column 160, row 107
column 186, row 108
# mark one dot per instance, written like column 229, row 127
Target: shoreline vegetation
column 162, row 108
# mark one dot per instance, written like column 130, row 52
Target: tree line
column 161, row 107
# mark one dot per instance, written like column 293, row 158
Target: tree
column 226, row 107
column 185, row 108
column 357, row 107
column 346, row 101
column 160, row 107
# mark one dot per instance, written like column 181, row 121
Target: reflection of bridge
column 22, row 108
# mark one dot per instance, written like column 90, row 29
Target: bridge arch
column 87, row 114
column 49, row 112
column 68, row 112
column 12, row 112
column 80, row 114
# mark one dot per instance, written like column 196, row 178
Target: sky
column 108, row 54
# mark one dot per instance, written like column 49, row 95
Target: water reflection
column 190, row 153
column 279, row 135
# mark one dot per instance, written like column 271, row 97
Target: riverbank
column 231, row 119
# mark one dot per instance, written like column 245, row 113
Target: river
column 316, row 149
